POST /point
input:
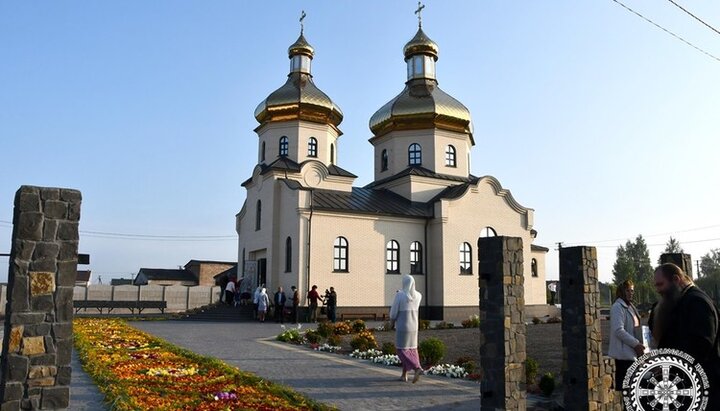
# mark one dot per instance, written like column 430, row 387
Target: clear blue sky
column 605, row 125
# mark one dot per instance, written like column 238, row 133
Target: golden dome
column 421, row 44
column 301, row 46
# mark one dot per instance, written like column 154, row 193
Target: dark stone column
column 35, row 364
column 502, row 324
column 681, row 260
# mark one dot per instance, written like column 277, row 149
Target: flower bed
column 137, row 371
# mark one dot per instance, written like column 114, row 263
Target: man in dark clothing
column 331, row 302
column 313, row 297
column 279, row 301
column 295, row 304
column 685, row 319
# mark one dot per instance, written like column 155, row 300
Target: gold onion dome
column 299, row 98
column 422, row 104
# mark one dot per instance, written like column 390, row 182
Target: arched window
column 488, row 232
column 258, row 215
column 332, row 153
column 392, row 257
column 288, row 255
column 283, row 146
column 262, row 152
column 414, row 154
column 533, row 267
column 384, row 161
column 312, row 147
column 340, row 255
column 465, row 258
column 450, row 156
column 416, row 258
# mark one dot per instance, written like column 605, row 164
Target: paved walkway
column 342, row 381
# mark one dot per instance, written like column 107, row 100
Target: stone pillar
column 681, row 260
column 502, row 324
column 587, row 376
column 35, row 364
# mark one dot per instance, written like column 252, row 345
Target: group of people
column 329, row 300
column 232, row 294
column 284, row 306
column 684, row 319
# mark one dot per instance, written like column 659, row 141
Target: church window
column 332, row 153
column 415, row 154
column 450, row 156
column 392, row 257
column 312, row 147
column 416, row 258
column 288, row 255
column 384, row 161
column 258, row 215
column 340, row 255
column 283, row 146
column 465, row 258
column 262, row 152
column 488, row 232
column 533, row 267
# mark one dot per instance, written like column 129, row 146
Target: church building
column 304, row 223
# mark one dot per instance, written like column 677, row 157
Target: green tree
column 633, row 263
column 672, row 247
column 710, row 269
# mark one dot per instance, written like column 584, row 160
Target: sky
column 605, row 125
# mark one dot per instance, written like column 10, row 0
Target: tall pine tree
column 633, row 263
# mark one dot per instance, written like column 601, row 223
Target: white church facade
column 303, row 222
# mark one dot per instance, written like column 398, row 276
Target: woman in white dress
column 263, row 304
column 404, row 318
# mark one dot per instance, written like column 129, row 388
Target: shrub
column 547, row 384
column 443, row 325
column 364, row 341
column 531, row 370
column 431, row 351
column 334, row 340
column 472, row 322
column 325, row 329
column 358, row 325
column 424, row 324
column 312, row 336
column 342, row 328
column 292, row 336
column 536, row 320
column 468, row 363
column 386, row 326
column 389, row 348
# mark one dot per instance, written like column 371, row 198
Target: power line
column 645, row 236
column 694, row 16
column 666, row 30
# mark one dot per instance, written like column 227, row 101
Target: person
column 230, row 291
column 256, row 301
column 263, row 304
column 404, row 318
column 625, row 332
column 686, row 319
column 279, row 303
column 313, row 298
column 331, row 303
column 246, row 297
column 295, row 304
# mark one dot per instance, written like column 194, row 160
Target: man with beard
column 685, row 319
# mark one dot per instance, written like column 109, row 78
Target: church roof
column 422, row 172
column 286, row 164
column 369, row 201
column 337, row 171
column 168, row 274
column 534, row 247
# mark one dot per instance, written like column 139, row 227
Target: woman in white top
column 263, row 304
column 625, row 332
column 404, row 318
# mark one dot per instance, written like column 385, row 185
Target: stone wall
column 681, row 260
column 502, row 324
column 38, row 324
column 587, row 375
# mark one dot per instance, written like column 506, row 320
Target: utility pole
column 697, row 263
column 559, row 245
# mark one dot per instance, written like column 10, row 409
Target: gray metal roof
column 422, row 172
column 369, row 201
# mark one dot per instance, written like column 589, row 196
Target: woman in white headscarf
column 263, row 304
column 404, row 318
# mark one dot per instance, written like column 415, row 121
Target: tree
column 710, row 269
column 672, row 247
column 633, row 263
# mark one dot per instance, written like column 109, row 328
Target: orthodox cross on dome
column 419, row 13
column 302, row 17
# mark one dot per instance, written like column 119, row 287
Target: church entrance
column 261, row 271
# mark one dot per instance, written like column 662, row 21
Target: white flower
column 282, row 326
column 448, row 370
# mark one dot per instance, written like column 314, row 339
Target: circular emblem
column 665, row 379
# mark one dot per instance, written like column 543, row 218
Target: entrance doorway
column 262, row 271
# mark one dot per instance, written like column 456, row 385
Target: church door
column 261, row 271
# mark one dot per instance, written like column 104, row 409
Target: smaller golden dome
column 421, row 44
column 301, row 46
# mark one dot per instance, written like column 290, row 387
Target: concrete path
column 333, row 379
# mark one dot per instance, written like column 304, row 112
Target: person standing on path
column 295, row 304
column 313, row 297
column 625, row 332
column 331, row 302
column 230, row 292
column 404, row 318
column 263, row 304
column 279, row 302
